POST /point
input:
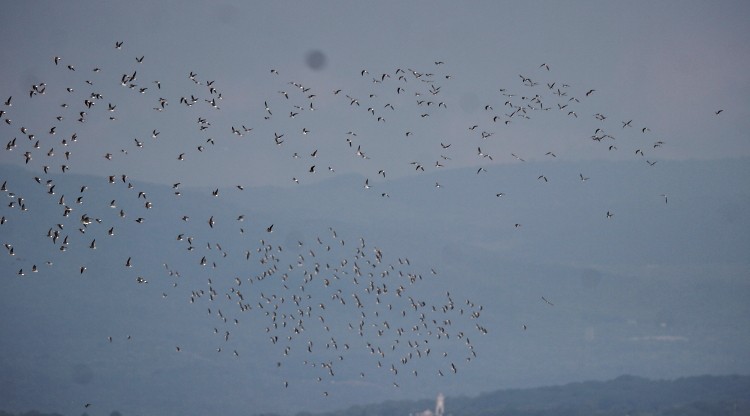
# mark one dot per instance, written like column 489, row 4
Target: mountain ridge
column 625, row 394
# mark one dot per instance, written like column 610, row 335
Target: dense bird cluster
column 373, row 303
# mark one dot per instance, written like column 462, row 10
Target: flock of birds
column 372, row 302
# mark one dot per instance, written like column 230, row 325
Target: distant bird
column 717, row 112
column 354, row 279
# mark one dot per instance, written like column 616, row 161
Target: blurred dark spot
column 82, row 374
column 316, row 60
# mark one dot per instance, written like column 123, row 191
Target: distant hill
column 624, row 395
column 659, row 290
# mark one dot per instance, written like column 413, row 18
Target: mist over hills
column 697, row 395
column 269, row 207
column 660, row 286
column 702, row 395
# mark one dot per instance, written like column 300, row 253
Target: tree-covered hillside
column 625, row 395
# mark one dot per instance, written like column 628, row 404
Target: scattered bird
column 288, row 276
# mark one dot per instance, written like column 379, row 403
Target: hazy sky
column 665, row 65
column 578, row 169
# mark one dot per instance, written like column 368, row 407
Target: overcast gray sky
column 667, row 65
column 591, row 153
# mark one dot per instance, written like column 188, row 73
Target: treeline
column 625, row 395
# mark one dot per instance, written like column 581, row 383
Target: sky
column 585, row 157
column 663, row 65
